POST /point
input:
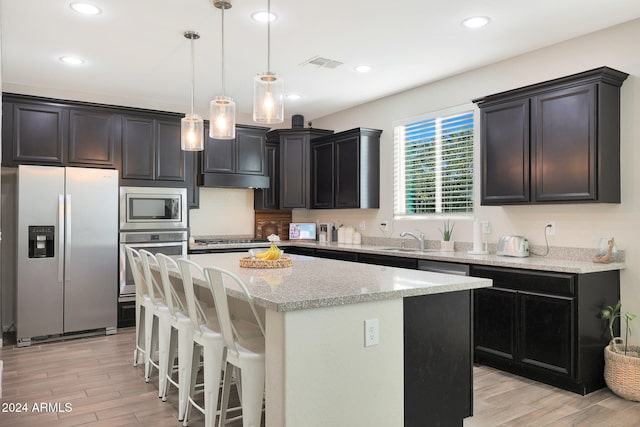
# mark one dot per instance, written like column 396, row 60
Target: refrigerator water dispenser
column 41, row 240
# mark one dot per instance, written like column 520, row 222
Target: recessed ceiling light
column 263, row 16
column 85, row 8
column 363, row 68
column 476, row 21
column 72, row 60
column 293, row 96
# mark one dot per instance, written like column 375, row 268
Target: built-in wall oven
column 164, row 242
column 154, row 219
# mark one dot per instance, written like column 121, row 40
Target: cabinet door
column 138, row 148
column 505, row 153
column 92, row 137
column 267, row 198
column 294, row 152
column 38, row 134
column 169, row 156
column 495, row 320
column 250, row 145
column 218, row 155
column 547, row 332
column 347, row 175
column 565, row 144
column 191, row 178
column 322, row 173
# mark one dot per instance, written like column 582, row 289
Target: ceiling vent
column 322, row 62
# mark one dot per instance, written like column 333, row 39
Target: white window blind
column 433, row 165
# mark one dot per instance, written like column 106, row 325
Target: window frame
column 399, row 167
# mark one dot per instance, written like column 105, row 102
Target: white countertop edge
column 527, row 263
column 369, row 297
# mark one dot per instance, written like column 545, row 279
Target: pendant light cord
column 193, row 76
column 224, row 6
column 268, row 35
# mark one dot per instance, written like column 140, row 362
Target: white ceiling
column 136, row 54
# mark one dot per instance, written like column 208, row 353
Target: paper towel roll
column 477, row 236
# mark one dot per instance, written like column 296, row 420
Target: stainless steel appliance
column 152, row 208
column 65, row 251
column 516, row 246
column 160, row 241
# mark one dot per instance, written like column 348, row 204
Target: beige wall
column 576, row 225
column 223, row 211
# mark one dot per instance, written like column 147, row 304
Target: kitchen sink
column 409, row 250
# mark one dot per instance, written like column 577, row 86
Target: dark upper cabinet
column 170, row 159
column 242, row 155
column 38, row 133
column 553, row 142
column 138, row 148
column 192, row 168
column 505, row 153
column 294, row 177
column 269, row 198
column 151, row 149
column 93, row 137
column 345, row 170
column 544, row 325
column 238, row 162
column 322, row 174
column 48, row 132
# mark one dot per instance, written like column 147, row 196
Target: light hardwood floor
column 95, row 377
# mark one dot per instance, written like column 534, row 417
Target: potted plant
column 446, row 244
column 621, row 360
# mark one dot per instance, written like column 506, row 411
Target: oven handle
column 154, row 244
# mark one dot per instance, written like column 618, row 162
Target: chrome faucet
column 420, row 239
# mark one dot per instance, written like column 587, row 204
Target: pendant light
column 268, row 88
column 192, row 125
column 222, row 109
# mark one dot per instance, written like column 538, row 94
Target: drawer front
column 531, row 281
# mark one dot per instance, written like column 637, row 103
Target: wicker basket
column 622, row 373
column 249, row 262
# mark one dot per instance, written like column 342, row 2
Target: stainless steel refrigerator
column 66, row 251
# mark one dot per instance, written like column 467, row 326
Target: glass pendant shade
column 268, row 98
column 192, row 133
column 222, row 118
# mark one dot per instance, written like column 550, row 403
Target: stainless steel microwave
column 152, row 208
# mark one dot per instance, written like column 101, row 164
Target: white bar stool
column 160, row 323
column 181, row 335
column 143, row 304
column 246, row 354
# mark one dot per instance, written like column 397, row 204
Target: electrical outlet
column 371, row 332
column 486, row 227
column 384, row 226
column 362, row 225
column 550, row 228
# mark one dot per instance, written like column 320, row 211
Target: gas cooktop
column 228, row 241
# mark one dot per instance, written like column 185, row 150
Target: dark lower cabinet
column 547, row 337
column 544, row 325
column 438, row 376
column 495, row 329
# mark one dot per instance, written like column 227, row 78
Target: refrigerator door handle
column 60, row 237
column 67, row 238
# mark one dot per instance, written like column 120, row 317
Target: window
column 433, row 164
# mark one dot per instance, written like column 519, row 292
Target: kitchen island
column 319, row 371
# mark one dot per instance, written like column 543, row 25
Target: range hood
column 231, row 180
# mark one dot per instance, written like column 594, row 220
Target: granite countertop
column 318, row 282
column 529, row 263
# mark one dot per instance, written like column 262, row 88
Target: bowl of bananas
column 271, row 258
